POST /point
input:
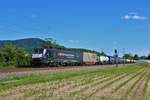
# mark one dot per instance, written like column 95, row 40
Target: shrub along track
column 111, row 83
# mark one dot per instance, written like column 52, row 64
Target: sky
column 102, row 25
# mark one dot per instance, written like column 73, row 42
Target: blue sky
column 93, row 24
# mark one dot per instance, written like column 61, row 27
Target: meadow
column 123, row 83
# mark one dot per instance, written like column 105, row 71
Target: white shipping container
column 128, row 60
column 104, row 59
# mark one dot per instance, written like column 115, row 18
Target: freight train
column 56, row 57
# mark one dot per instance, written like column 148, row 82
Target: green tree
column 9, row 53
column 128, row 56
column 143, row 57
column 50, row 43
column 22, row 58
column 12, row 56
column 2, row 59
column 148, row 57
column 102, row 53
column 136, row 57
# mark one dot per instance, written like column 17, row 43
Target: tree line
column 136, row 57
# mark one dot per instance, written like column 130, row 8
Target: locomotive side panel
column 62, row 57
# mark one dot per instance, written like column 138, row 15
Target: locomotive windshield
column 38, row 51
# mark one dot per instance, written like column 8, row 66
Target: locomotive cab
column 37, row 55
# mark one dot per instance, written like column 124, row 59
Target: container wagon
column 89, row 58
column 104, row 59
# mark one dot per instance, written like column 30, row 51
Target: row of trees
column 11, row 56
column 50, row 43
column 136, row 57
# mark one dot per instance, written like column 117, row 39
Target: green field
column 130, row 82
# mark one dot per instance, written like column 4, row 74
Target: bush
column 22, row 58
column 2, row 59
column 11, row 56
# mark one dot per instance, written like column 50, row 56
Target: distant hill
column 28, row 44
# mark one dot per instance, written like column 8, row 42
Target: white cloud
column 139, row 17
column 73, row 41
column 127, row 17
column 134, row 16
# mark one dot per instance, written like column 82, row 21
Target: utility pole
column 124, row 56
column 101, row 49
column 116, row 57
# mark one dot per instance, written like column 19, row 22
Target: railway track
column 12, row 72
column 43, row 68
